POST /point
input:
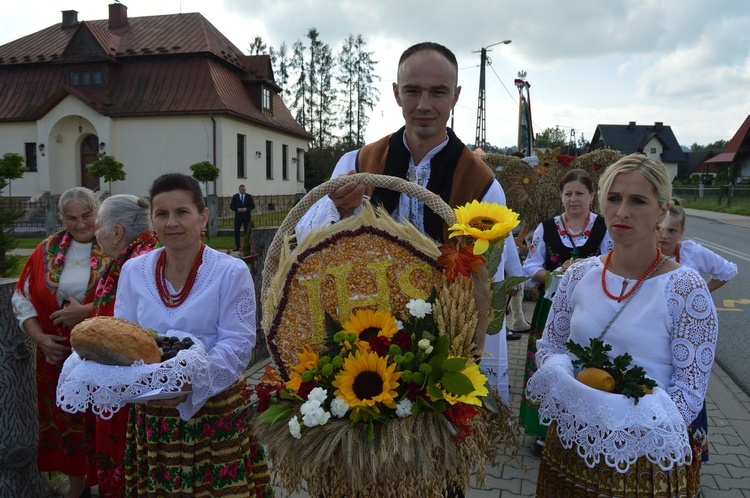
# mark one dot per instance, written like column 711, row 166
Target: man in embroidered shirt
column 425, row 151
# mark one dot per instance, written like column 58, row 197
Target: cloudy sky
column 685, row 63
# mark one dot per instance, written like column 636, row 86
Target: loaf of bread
column 113, row 341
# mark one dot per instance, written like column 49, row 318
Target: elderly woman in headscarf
column 123, row 231
column 54, row 293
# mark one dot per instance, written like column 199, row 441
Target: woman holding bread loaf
column 123, row 231
column 637, row 301
column 198, row 444
column 53, row 294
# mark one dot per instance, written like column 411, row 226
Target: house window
column 298, row 165
column 30, row 155
column 241, row 173
column 284, row 162
column 269, row 160
column 266, row 99
column 86, row 77
column 653, row 150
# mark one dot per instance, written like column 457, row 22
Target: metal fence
column 39, row 215
column 722, row 195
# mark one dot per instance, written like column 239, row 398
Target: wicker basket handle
column 431, row 200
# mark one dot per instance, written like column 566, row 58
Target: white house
column 159, row 93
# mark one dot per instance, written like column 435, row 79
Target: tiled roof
column 158, row 65
column 630, row 138
column 740, row 142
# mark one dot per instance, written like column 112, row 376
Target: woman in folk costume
column 199, row 444
column 53, row 294
column 557, row 242
column 639, row 302
column 123, row 231
column 693, row 255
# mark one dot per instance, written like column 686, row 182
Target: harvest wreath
column 376, row 334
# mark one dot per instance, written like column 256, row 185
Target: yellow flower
column 366, row 380
column 307, row 360
column 485, row 222
column 368, row 324
column 478, row 380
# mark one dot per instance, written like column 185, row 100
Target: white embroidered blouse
column 220, row 311
column 669, row 328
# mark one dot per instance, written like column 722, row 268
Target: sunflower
column 307, row 360
column 478, row 380
column 366, row 380
column 368, row 324
column 485, row 222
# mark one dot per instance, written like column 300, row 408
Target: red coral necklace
column 651, row 269
column 571, row 232
column 174, row 300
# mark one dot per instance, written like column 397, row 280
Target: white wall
column 255, row 167
column 149, row 147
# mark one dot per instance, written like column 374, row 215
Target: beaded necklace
column 569, row 231
column 654, row 266
column 174, row 300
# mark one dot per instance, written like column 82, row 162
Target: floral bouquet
column 395, row 404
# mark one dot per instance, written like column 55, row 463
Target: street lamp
column 481, row 138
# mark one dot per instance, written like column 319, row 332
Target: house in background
column 696, row 164
column 656, row 141
column 736, row 154
column 159, row 93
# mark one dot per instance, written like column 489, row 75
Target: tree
column 718, row 145
column 257, row 47
column 551, row 138
column 205, row 172
column 12, row 167
column 358, row 94
column 109, row 168
column 319, row 163
column 280, row 62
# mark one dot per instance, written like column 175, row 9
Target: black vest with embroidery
column 558, row 253
column 442, row 167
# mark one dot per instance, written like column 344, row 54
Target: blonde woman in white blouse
column 642, row 303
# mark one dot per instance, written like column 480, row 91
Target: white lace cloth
column 607, row 426
column 107, row 388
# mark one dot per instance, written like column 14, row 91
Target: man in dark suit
column 242, row 203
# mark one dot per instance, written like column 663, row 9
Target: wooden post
column 19, row 420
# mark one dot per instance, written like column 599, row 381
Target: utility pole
column 481, row 138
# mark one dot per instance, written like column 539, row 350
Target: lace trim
column 609, row 428
column 107, row 388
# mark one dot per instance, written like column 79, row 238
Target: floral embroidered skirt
column 563, row 473
column 213, row 454
column 529, row 414
column 110, row 452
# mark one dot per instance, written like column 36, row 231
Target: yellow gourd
column 597, row 378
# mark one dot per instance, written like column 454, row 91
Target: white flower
column 399, row 325
column 419, row 308
column 313, row 414
column 403, row 409
column 423, row 343
column 294, row 427
column 339, row 407
column 428, row 350
column 318, row 394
